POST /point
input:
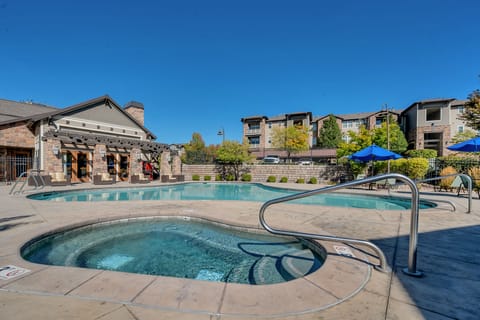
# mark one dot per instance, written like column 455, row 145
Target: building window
column 270, row 125
column 254, row 140
column 461, row 109
column 433, row 114
column 460, row 129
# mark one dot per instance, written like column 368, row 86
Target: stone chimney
column 135, row 109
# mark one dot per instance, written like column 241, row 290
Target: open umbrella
column 472, row 145
column 374, row 153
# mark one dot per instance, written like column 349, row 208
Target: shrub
column 447, row 182
column 207, row 178
column 218, row 177
column 195, row 177
column 283, row 179
column 399, row 166
column 422, row 153
column 313, row 180
column 271, row 179
column 300, row 180
column 416, row 168
column 246, row 177
column 474, row 172
column 230, row 177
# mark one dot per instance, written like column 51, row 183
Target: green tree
column 462, row 136
column 292, row 139
column 471, row 114
column 197, row 152
column 330, row 135
column 231, row 155
column 398, row 143
column 358, row 140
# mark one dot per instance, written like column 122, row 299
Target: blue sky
column 201, row 65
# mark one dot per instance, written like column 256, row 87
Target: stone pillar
column 52, row 156
column 176, row 164
column 165, row 169
column 100, row 159
column 135, row 162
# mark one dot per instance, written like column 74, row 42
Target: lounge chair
column 56, row 179
column 139, row 178
column 103, row 178
column 386, row 183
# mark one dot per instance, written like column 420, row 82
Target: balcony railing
column 252, row 131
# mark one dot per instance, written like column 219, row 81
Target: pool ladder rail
column 411, row 270
column 30, row 175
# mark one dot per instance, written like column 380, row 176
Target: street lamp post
column 388, row 136
column 221, row 132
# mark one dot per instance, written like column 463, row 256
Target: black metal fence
column 461, row 165
column 11, row 167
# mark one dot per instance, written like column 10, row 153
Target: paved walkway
column 344, row 288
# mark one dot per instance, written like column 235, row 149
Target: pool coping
column 447, row 293
column 347, row 276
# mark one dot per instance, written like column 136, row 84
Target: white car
column 271, row 159
column 305, row 162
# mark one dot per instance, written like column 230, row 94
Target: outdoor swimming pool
column 179, row 247
column 228, row 191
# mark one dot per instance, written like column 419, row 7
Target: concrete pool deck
column 344, row 288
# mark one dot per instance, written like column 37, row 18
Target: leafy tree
column 292, row 139
column 330, row 135
column 231, row 155
column 197, row 152
column 358, row 140
column 462, row 136
column 398, row 143
column 471, row 114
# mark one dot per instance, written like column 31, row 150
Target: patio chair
column 103, row 178
column 56, row 179
column 140, row 178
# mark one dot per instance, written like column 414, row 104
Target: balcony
column 252, row 132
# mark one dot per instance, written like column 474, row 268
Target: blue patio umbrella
column 472, row 145
column 374, row 153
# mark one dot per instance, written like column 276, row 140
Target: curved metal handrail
column 412, row 252
column 470, row 185
column 16, row 182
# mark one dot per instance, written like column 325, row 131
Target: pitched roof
column 13, row 110
column 35, row 114
column 427, row 101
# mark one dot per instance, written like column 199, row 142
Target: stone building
column 92, row 137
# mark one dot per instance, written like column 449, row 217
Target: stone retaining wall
column 261, row 172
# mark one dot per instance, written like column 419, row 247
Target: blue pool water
column 228, row 191
column 179, row 248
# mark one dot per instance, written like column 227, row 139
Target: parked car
column 271, row 159
column 305, row 161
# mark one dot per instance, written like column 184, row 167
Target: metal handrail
column 412, row 251
column 28, row 174
column 470, row 185
column 16, row 182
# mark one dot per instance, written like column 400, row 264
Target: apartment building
column 257, row 130
column 371, row 120
column 427, row 124
column 431, row 124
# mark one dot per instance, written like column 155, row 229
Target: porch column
column 135, row 162
column 53, row 156
column 100, row 159
column 176, row 164
column 165, row 169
